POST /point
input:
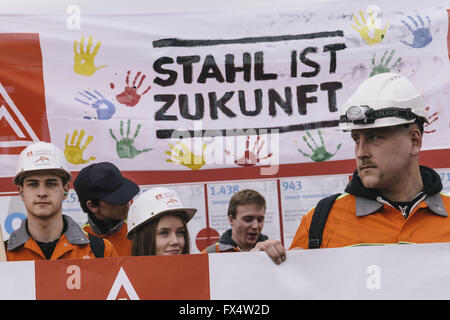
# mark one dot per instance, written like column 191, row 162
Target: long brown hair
column 144, row 237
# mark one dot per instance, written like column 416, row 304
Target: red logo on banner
column 131, row 278
column 23, row 118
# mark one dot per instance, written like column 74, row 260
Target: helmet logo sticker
column 172, row 201
column 42, row 159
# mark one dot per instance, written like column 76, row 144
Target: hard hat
column 152, row 204
column 384, row 100
column 41, row 156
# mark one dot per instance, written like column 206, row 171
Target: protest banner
column 210, row 102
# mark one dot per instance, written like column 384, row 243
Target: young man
column 391, row 198
column 246, row 211
column 105, row 196
column 43, row 183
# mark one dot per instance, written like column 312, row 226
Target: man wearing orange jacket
column 105, row 196
column 391, row 199
column 43, row 183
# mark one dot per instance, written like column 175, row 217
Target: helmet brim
column 18, row 179
column 189, row 214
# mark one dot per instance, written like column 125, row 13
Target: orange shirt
column 359, row 221
column 118, row 239
column 73, row 244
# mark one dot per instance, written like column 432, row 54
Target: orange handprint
column 84, row 60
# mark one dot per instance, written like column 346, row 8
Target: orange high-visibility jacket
column 73, row 244
column 117, row 236
column 358, row 220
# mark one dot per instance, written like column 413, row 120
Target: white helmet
column 41, row 156
column 384, row 100
column 152, row 203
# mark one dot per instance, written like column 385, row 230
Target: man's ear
column 416, row 141
column 20, row 189
column 230, row 219
column 66, row 188
column 90, row 205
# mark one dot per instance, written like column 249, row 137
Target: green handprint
column 319, row 153
column 125, row 147
column 383, row 67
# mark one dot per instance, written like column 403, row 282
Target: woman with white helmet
column 157, row 223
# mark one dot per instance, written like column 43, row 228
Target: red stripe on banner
column 280, row 211
column 182, row 277
column 208, row 235
column 205, row 189
column 432, row 158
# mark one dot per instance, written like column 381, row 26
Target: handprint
column 84, row 60
column 319, row 153
column 104, row 108
column 125, row 146
column 183, row 156
column 251, row 158
column 73, row 152
column 129, row 96
column 366, row 26
column 432, row 118
column 383, row 66
column 421, row 35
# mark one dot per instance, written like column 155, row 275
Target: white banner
column 390, row 272
column 260, row 87
column 406, row 272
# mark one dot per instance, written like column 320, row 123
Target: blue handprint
column 104, row 108
column 421, row 35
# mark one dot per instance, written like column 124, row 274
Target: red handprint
column 431, row 119
column 251, row 158
column 129, row 96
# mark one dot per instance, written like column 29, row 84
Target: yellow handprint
column 184, row 157
column 378, row 33
column 73, row 152
column 84, row 60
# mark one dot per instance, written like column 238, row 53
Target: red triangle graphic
column 122, row 295
column 15, row 132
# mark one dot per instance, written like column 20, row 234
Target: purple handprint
column 421, row 35
column 104, row 108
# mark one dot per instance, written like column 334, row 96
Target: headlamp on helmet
column 383, row 100
column 363, row 114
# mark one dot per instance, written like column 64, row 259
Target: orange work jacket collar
column 365, row 206
column 74, row 234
